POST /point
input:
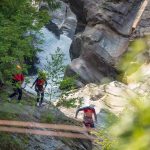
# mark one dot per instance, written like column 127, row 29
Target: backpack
column 18, row 77
column 40, row 82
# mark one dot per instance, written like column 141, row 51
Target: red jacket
column 18, row 77
column 88, row 112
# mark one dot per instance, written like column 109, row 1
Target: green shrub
column 47, row 117
column 71, row 103
column 9, row 142
column 133, row 130
column 68, row 83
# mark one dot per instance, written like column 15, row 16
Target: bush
column 67, row 83
column 47, row 117
column 9, row 142
column 71, row 103
column 133, row 130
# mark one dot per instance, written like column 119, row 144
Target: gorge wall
column 102, row 36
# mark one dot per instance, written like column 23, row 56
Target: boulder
column 96, row 51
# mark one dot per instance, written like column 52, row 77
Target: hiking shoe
column 38, row 104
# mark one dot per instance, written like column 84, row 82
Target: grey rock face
column 95, row 51
column 65, row 19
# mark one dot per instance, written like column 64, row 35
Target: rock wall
column 96, row 50
column 63, row 20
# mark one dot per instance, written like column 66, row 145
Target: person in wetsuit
column 89, row 111
column 40, row 85
column 17, row 81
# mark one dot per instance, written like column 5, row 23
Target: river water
column 49, row 46
column 66, row 24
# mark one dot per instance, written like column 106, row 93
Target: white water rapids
column 49, row 46
column 66, row 22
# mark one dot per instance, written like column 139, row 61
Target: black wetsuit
column 40, row 90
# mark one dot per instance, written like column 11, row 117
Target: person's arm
column 95, row 116
column 80, row 109
column 45, row 83
column 34, row 83
column 22, row 78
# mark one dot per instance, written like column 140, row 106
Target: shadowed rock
column 54, row 29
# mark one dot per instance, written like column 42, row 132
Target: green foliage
column 106, row 141
column 53, row 4
column 68, row 83
column 130, row 62
column 55, row 69
column 69, row 103
column 133, row 130
column 20, row 21
column 105, row 138
column 9, row 142
column 55, row 66
column 47, row 117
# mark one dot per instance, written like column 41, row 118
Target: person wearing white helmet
column 89, row 111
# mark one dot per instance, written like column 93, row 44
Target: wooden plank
column 44, row 125
column 45, row 133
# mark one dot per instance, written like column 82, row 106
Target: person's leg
column 38, row 96
column 86, row 126
column 13, row 94
column 20, row 94
column 42, row 97
column 14, row 89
